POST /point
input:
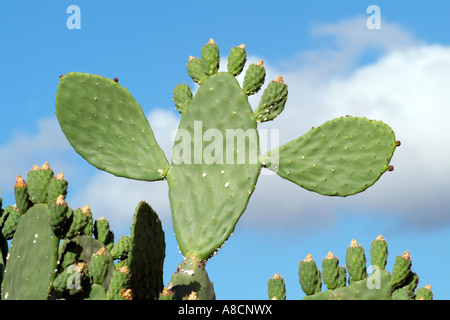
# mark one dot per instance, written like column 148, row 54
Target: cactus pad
column 32, row 259
column 105, row 125
column 146, row 257
column 209, row 191
column 342, row 157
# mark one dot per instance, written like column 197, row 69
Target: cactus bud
column 272, row 101
column 276, row 288
column 195, row 70
column 23, row 201
column 401, row 269
column 254, row 78
column 379, row 252
column 210, row 58
column 38, row 183
column 309, row 276
column 236, row 60
column 330, row 271
column 355, row 261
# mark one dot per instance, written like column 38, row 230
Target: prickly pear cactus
column 401, row 284
column 216, row 159
column 60, row 253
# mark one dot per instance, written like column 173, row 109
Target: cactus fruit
column 182, row 96
column 379, row 285
column 276, row 288
column 355, row 261
column 378, row 252
column 99, row 265
column 23, row 201
column 272, row 101
column 122, row 248
column 38, row 182
column 119, row 281
column 58, row 214
column 424, row 293
column 102, row 231
column 12, row 217
column 210, row 184
column 401, row 269
column 236, row 60
column 210, row 58
column 166, row 294
column 77, row 221
column 309, row 276
column 254, row 78
column 58, row 186
column 331, row 272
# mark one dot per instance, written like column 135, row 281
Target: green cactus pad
column 342, row 157
column 30, row 268
column 107, row 127
column 191, row 276
column 210, row 183
column 146, row 257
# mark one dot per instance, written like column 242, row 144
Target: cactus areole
column 216, row 158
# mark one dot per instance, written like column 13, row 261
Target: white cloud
column 48, row 144
column 406, row 88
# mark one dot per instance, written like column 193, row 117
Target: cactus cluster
column 216, row 158
column 352, row 281
column 57, row 252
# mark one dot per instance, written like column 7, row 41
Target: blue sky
column 334, row 65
